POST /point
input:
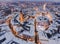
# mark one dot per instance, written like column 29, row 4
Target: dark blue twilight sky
column 32, row 0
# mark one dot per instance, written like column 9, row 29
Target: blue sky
column 42, row 0
column 32, row 0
